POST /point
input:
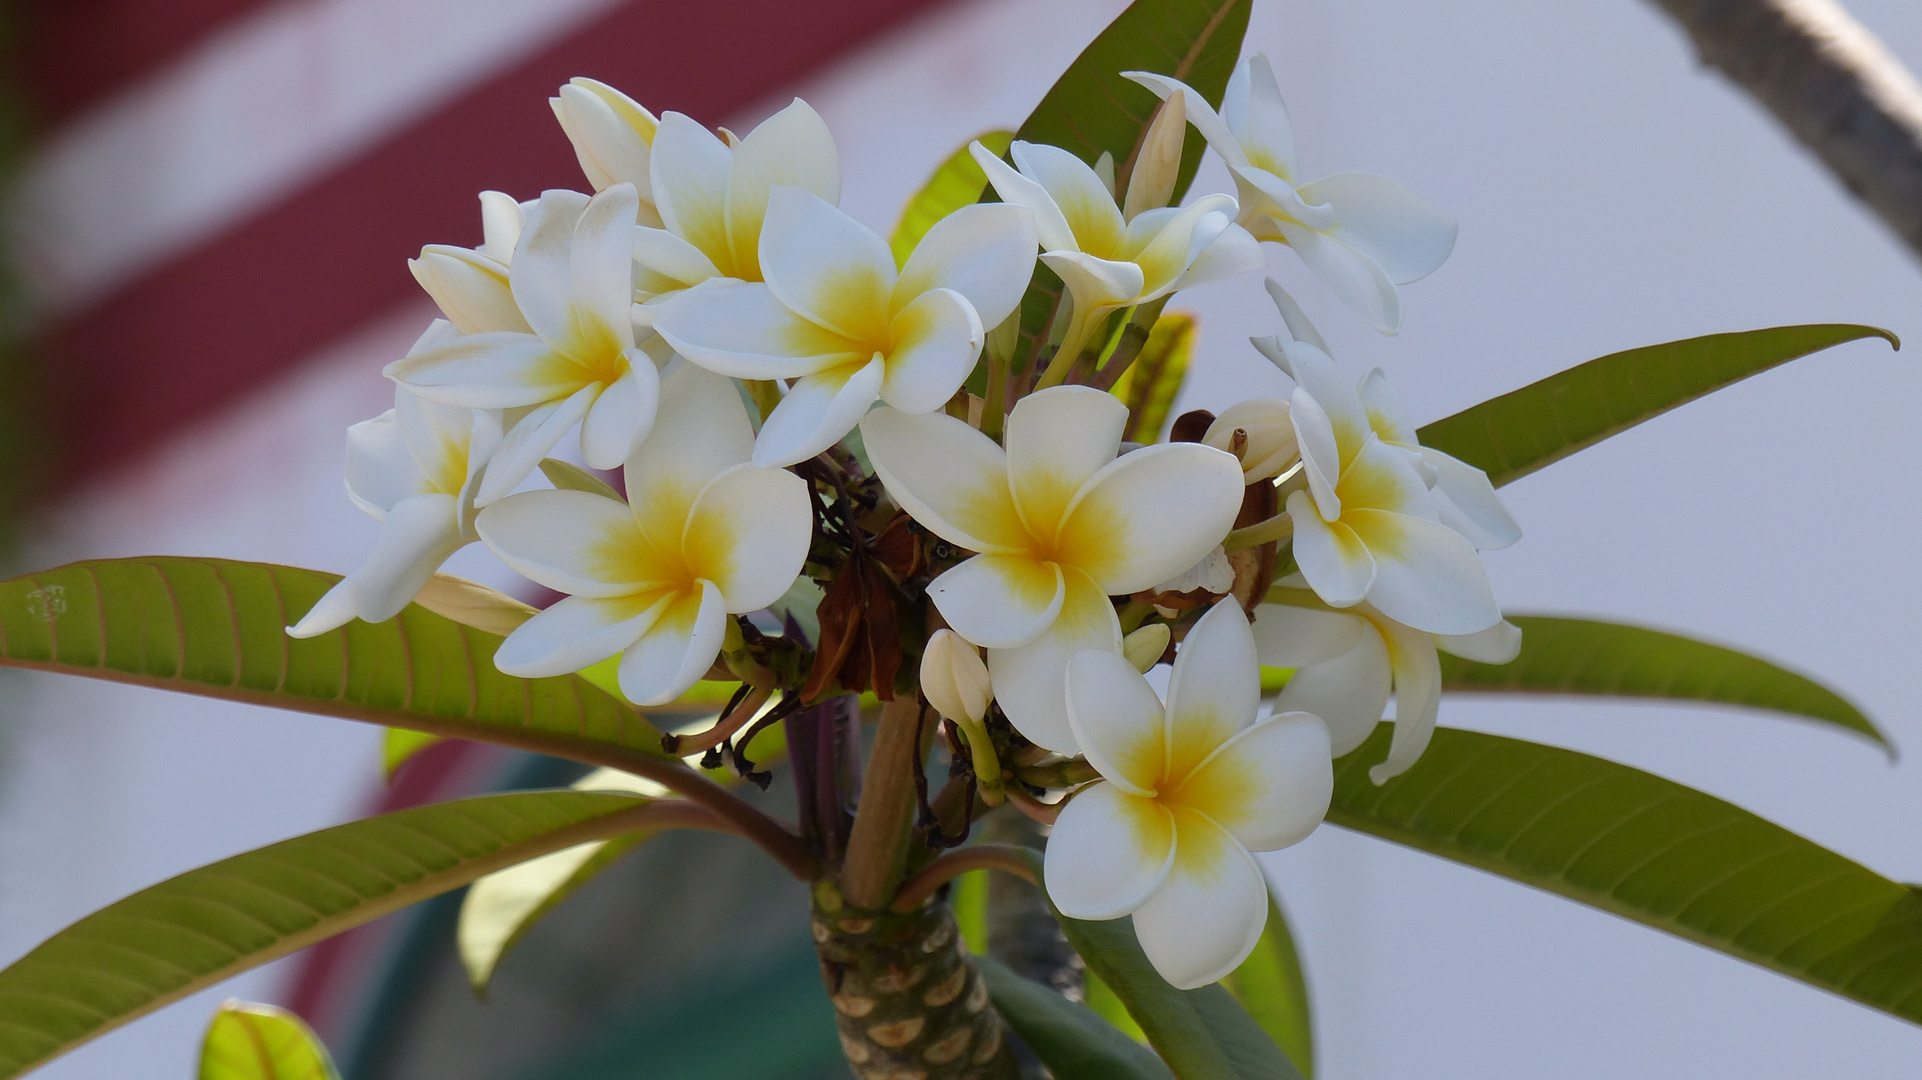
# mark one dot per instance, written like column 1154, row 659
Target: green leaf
column 568, row 476
column 399, row 745
column 262, row 1042
column 1150, row 385
column 1513, row 435
column 1072, row 1042
column 1271, row 986
column 956, row 183
column 215, row 627
column 1586, row 656
column 1650, row 850
column 190, row 932
column 1103, row 1003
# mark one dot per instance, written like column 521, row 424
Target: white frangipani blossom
column 1106, row 260
column 1060, row 524
column 713, row 195
column 470, row 284
column 571, row 278
column 414, row 468
column 1189, row 791
column 1367, row 527
column 1360, row 233
column 834, row 316
column 704, row 535
column 613, row 137
column 1349, row 659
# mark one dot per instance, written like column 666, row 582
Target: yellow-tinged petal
column 1107, row 853
column 817, row 410
column 1030, row 680
column 793, row 149
column 701, row 432
column 1118, row 721
column 677, row 649
column 827, row 267
column 932, row 348
column 1150, row 515
column 688, row 171
column 470, row 289
column 748, row 533
column 1086, row 205
column 950, row 477
column 1427, row 575
column 573, row 542
column 1335, row 561
column 1057, row 441
column 1214, row 690
column 1269, row 786
column 576, row 632
column 984, row 251
column 1205, row 919
column 742, row 329
column 1000, row 601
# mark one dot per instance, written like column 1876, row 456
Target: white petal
column 1349, row 692
column 1215, row 688
column 570, row 541
column 601, row 262
column 999, row 601
column 1201, row 114
column 1426, row 575
column 1360, row 281
column 672, row 257
column 1107, row 853
column 502, row 220
column 333, row 610
column 1269, row 438
column 950, row 477
column 1297, row 637
column 1085, row 203
column 1030, row 680
column 827, row 267
column 1499, row 644
column 1151, row 514
column 531, row 438
column 1386, row 222
column 1018, row 190
column 1320, row 451
column 437, row 436
column 1316, row 372
column 610, row 131
column 792, row 148
column 1117, row 719
column 1468, row 503
column 1098, row 286
column 417, row 536
column 1165, row 248
column 1293, row 317
column 1386, row 417
column 576, row 632
column 1417, row 698
column 1206, row 917
column 936, row 341
column 817, row 411
column 688, row 169
column 470, row 289
column 741, row 329
column 700, row 431
column 620, row 417
column 677, row 649
column 748, row 534
column 1270, row 785
column 542, row 271
column 984, row 251
column 955, row 678
column 1057, row 441
column 1276, row 203
column 1336, row 563
column 1382, row 477
column 1261, row 121
column 380, row 470
column 1233, row 252
column 496, row 370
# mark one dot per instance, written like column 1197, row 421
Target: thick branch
column 1832, row 83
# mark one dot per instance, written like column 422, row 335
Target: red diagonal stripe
column 189, row 337
column 76, row 53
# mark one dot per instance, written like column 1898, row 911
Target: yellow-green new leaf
column 1515, row 434
column 1589, row 657
column 1071, row 1041
column 399, row 745
column 1154, row 379
column 1650, row 850
column 957, row 182
column 1271, row 986
column 262, row 1042
column 190, row 932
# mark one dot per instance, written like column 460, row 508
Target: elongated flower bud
column 1261, row 433
column 1145, row 647
column 954, row 678
column 1152, row 184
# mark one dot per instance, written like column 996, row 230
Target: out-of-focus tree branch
column 1833, row 83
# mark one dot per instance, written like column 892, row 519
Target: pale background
column 1611, row 194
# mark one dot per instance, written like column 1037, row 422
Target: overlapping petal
column 621, row 414
column 792, row 149
column 984, row 251
column 1426, row 574
column 934, row 342
column 1107, row 852
column 1348, row 691
column 1151, row 514
column 1385, row 222
column 747, row 534
column 1205, row 918
column 677, row 648
column 818, row 409
column 688, row 171
column 470, row 289
column 1118, row 721
column 827, row 267
column 416, row 536
column 1214, row 690
column 570, row 541
column 1000, row 601
column 742, row 329
column 577, row 631
column 1029, row 680
column 1270, row 785
column 1057, row 441
column 949, row 477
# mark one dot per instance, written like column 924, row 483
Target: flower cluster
column 775, row 400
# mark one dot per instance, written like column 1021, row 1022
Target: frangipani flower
column 613, row 137
column 1188, row 792
column 571, row 278
column 1060, row 524
column 704, row 535
column 712, row 198
column 1106, row 261
column 834, row 316
column 1349, row 659
column 1367, row 527
column 1361, row 234
column 470, row 284
column 413, row 468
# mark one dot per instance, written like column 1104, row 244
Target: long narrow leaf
column 1071, row 1041
column 1589, row 657
column 1272, row 987
column 1650, row 850
column 1513, row 435
column 190, row 932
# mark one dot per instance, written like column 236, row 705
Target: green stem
column 1007, row 858
column 1279, row 527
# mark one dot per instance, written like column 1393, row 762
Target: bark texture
column 1832, row 83
column 907, row 999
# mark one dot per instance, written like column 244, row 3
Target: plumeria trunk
column 908, row 1001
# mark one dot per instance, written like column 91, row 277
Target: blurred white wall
column 1610, row 193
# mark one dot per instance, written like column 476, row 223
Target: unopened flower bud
column 954, row 678
column 1145, row 647
column 1151, row 185
column 1261, row 433
column 472, row 604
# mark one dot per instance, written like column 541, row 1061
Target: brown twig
column 886, row 812
column 1006, row 858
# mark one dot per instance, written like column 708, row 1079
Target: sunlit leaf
column 399, row 745
column 262, row 1042
column 1513, row 435
column 956, row 183
column 1271, row 986
column 1150, row 385
column 568, row 476
column 1072, row 1042
column 1589, row 657
column 1103, row 1003
column 1650, row 850
column 190, row 932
